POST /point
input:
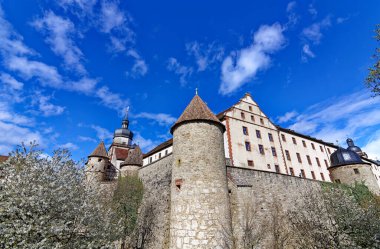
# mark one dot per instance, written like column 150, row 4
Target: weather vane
column 196, row 91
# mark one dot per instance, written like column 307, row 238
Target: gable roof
column 134, row 157
column 100, row 151
column 196, row 110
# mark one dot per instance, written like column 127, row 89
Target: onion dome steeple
column 124, row 131
column 197, row 110
column 353, row 147
column 343, row 157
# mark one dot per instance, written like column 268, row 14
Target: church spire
column 125, row 122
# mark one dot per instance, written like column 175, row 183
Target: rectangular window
column 270, row 136
column 258, row 134
column 312, row 146
column 252, row 118
column 248, row 146
column 242, row 115
column 299, row 157
column 318, row 163
column 308, row 159
column 303, row 173
column 274, row 153
column 328, row 150
column 150, row 159
column 166, row 152
column 159, row 155
column 291, row 171
column 268, row 166
column 283, row 137
column 287, row 155
column 250, row 163
column 356, row 171
column 320, row 146
column 262, row 121
column 322, row 177
column 313, row 175
column 250, row 108
column 304, row 143
column 245, row 130
column 261, row 149
column 277, row 168
column 294, row 140
column 326, row 163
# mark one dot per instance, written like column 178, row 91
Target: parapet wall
column 263, row 197
column 155, row 212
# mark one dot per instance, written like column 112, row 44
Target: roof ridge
column 100, row 150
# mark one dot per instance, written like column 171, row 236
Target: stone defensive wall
column 155, row 211
column 263, row 198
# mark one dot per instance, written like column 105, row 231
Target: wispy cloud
column 139, row 67
column 291, row 14
column 242, row 66
column 102, row 133
column 184, row 72
column 145, row 144
column 161, row 118
column 287, row 117
column 68, row 146
column 60, row 33
column 356, row 115
column 372, row 147
column 307, row 53
column 86, row 139
column 45, row 107
column 312, row 10
column 205, row 55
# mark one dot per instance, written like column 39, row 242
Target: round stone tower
column 200, row 210
column 97, row 164
column 132, row 163
column 347, row 167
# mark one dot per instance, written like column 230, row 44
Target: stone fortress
column 201, row 180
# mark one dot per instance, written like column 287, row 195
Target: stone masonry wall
column 256, row 196
column 156, row 203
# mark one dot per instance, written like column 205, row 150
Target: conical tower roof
column 195, row 111
column 135, row 157
column 100, row 151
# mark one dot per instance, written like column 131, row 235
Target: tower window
column 268, row 166
column 274, row 153
column 299, row 157
column 283, row 137
column 262, row 121
column 242, row 115
column 287, row 155
column 252, row 118
column 178, row 183
column 261, row 149
column 270, row 136
column 247, row 146
column 250, row 108
column 356, row 171
column 258, row 134
column 277, row 168
column 250, row 163
column 245, row 130
column 99, row 160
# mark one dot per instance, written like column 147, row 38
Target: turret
column 123, row 135
column 97, row 164
column 347, row 167
column 132, row 163
column 200, row 213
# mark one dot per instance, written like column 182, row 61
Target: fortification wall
column 259, row 197
column 155, row 211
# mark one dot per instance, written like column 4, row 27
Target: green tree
column 373, row 78
column 126, row 202
column 45, row 202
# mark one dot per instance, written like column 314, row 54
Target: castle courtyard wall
column 156, row 202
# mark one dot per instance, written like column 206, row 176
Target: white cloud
column 341, row 20
column 291, row 6
column 183, row 71
column 242, row 67
column 79, row 7
column 356, row 115
column 111, row 16
column 87, row 139
column 312, row 10
column 145, row 144
column 60, row 34
column 11, row 89
column 139, row 67
column 102, row 133
column 46, row 108
column 68, row 146
column 313, row 33
column 287, row 117
column 291, row 14
column 112, row 100
column 306, row 52
column 161, row 118
column 205, row 55
column 11, row 82
column 9, row 116
column 372, row 148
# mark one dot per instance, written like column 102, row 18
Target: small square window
column 242, row 115
column 283, row 137
column 302, row 173
column 250, row 108
column 291, row 171
column 250, row 163
column 268, row 166
column 262, row 121
column 277, row 168
column 356, row 171
column 252, row 118
column 261, row 149
column 248, row 146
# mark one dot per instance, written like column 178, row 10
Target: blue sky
column 69, row 68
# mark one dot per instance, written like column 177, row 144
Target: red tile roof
column 196, row 110
column 121, row 154
column 100, row 151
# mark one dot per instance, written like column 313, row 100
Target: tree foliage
column 46, row 203
column 373, row 78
